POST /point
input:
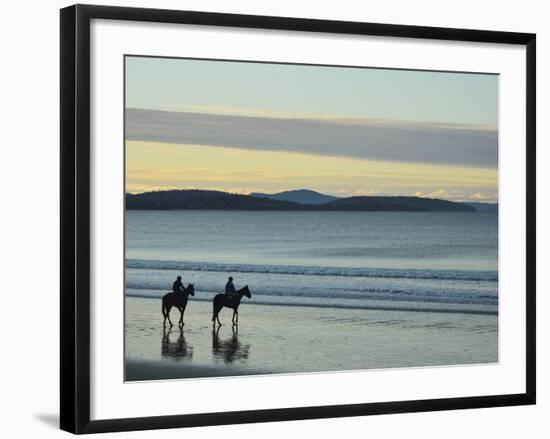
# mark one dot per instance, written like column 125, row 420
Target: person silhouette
column 177, row 286
column 230, row 288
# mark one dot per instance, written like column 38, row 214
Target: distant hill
column 483, row 207
column 217, row 200
column 397, row 203
column 302, row 196
column 201, row 199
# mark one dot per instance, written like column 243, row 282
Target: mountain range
column 302, row 199
column 302, row 196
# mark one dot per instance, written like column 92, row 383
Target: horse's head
column 191, row 289
column 246, row 292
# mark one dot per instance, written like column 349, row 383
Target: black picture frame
column 75, row 217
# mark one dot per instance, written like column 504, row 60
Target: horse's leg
column 233, row 318
column 236, row 316
column 182, row 310
column 216, row 308
column 168, row 308
column 214, row 315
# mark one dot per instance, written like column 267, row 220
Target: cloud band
column 362, row 139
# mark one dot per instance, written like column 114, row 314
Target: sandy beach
column 287, row 339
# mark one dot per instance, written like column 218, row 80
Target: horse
column 221, row 300
column 179, row 300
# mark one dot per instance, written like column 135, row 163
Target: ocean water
column 421, row 261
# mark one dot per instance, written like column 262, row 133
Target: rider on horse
column 230, row 291
column 177, row 286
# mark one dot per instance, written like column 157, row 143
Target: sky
column 257, row 127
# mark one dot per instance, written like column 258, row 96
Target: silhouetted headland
column 483, row 207
column 218, row 200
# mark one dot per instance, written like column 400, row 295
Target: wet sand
column 288, row 339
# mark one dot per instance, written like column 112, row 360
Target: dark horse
column 179, row 300
column 222, row 300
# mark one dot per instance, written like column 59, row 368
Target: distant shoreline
column 302, row 200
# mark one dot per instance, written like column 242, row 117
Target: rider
column 230, row 288
column 177, row 286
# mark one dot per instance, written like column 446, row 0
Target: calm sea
column 373, row 260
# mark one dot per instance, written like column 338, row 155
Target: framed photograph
column 273, row 218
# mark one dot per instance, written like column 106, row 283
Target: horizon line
column 309, row 190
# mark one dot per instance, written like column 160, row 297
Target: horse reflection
column 178, row 349
column 231, row 349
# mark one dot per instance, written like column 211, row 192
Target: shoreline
column 330, row 306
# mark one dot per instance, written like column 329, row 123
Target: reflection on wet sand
column 230, row 349
column 177, row 349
